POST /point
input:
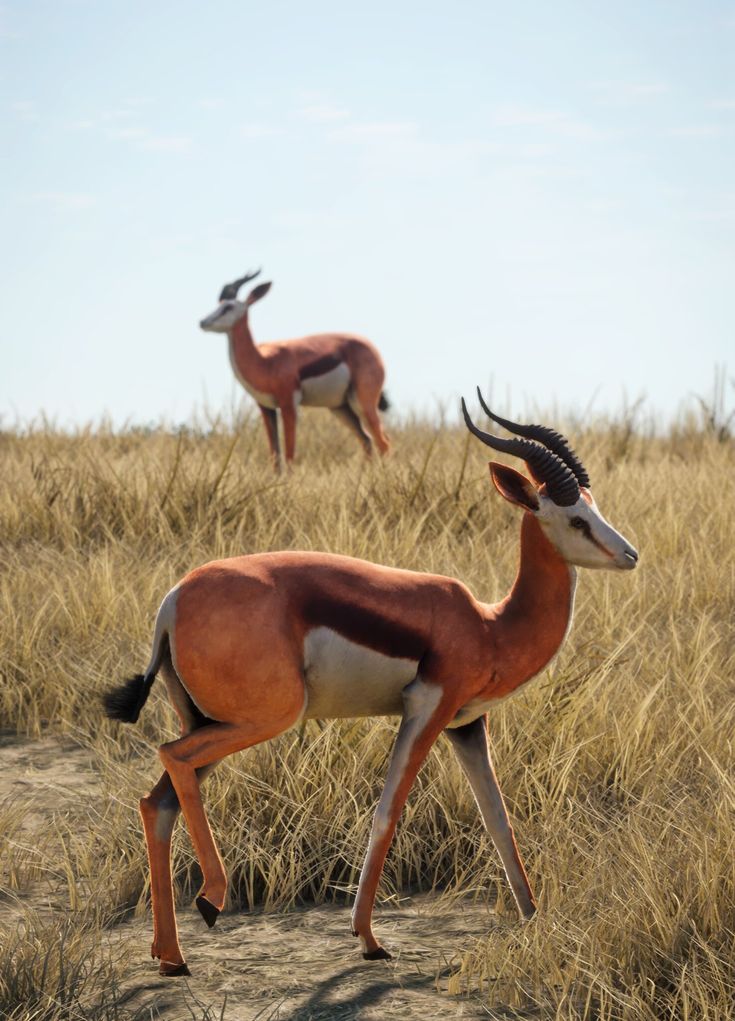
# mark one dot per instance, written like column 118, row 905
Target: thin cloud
column 698, row 131
column 388, row 149
column 256, row 129
column 720, row 209
column 24, row 109
column 166, row 143
column 555, row 122
column 323, row 113
column 81, row 124
column 370, row 131
column 143, row 138
column 635, row 89
column 127, row 134
column 630, row 92
column 116, row 115
column 64, row 201
column 5, row 31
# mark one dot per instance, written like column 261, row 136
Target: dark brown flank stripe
column 365, row 627
column 320, row 366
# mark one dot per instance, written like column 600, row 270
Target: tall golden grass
column 616, row 763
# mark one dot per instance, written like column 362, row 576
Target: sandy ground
column 305, row 965
column 298, row 966
column 49, row 785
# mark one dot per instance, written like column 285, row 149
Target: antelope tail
column 125, row 701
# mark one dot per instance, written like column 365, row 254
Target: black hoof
column 378, row 955
column 208, row 911
column 180, row 969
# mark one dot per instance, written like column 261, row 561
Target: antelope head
column 558, row 494
column 230, row 309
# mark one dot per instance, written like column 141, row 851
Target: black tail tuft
column 383, row 403
column 125, row 702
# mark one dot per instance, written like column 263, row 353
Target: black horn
column 229, row 291
column 561, row 485
column 556, row 443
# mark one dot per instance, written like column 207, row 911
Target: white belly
column 345, row 679
column 328, row 390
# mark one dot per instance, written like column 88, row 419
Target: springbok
column 338, row 371
column 252, row 645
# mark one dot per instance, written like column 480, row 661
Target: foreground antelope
column 327, row 370
column 252, row 645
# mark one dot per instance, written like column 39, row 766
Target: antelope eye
column 577, row 522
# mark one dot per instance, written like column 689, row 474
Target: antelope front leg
column 288, row 417
column 270, row 420
column 424, row 718
column 470, row 745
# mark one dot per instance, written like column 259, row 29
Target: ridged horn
column 561, row 485
column 229, row 291
column 556, row 443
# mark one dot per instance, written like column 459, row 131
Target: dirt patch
column 46, row 776
column 45, row 785
column 304, row 965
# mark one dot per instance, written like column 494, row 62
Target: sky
column 538, row 197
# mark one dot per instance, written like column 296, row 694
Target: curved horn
column 229, row 291
column 556, row 443
column 561, row 485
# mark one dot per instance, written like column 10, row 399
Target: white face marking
column 328, row 390
column 345, row 679
column 224, row 317
column 583, row 537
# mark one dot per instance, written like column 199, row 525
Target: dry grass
column 617, row 763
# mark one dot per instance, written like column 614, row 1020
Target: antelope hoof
column 173, row 970
column 381, row 954
column 207, row 910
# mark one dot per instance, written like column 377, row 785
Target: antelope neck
column 527, row 628
column 243, row 348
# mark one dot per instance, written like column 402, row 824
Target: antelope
column 339, row 371
column 252, row 645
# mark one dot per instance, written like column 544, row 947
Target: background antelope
column 338, row 371
column 251, row 645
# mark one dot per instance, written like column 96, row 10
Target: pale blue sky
column 541, row 193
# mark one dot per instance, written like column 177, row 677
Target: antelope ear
column 513, row 486
column 258, row 292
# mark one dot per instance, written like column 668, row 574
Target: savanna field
column 616, row 763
